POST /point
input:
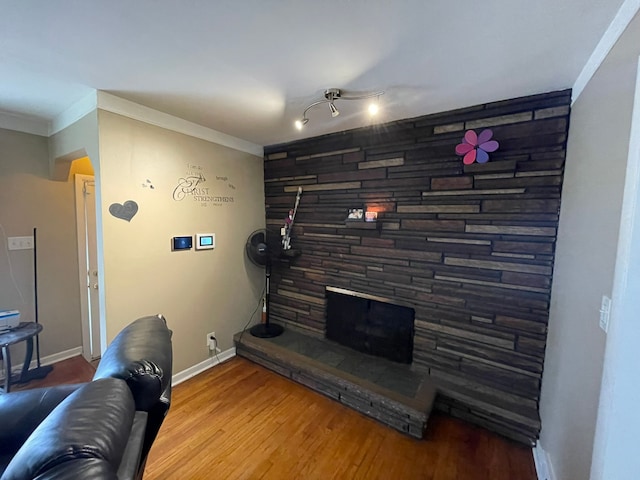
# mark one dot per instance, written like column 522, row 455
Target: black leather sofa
column 103, row 429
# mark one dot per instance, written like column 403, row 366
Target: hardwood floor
column 72, row 370
column 241, row 421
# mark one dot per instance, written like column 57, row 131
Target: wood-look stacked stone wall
column 470, row 248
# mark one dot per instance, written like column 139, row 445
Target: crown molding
column 127, row 108
column 22, row 123
column 617, row 26
column 75, row 112
column 135, row 111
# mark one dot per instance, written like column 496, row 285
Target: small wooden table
column 25, row 331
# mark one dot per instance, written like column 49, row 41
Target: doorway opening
column 85, row 202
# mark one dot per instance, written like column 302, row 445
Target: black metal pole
column 266, row 294
column 35, row 290
column 39, row 372
column 266, row 329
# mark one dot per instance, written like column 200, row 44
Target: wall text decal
column 192, row 185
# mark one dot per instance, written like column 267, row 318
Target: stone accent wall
column 470, row 248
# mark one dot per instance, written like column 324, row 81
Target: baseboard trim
column 175, row 380
column 48, row 360
column 202, row 366
column 58, row 357
column 544, row 468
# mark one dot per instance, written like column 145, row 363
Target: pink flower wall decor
column 476, row 148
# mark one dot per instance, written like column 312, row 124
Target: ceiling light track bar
column 330, row 96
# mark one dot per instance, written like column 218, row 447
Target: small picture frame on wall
column 355, row 215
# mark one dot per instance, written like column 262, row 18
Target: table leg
column 7, row 366
column 27, row 360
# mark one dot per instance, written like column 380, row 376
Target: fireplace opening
column 370, row 324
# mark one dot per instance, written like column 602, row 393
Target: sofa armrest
column 94, row 423
column 21, row 412
column 141, row 354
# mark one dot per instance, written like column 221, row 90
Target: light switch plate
column 605, row 311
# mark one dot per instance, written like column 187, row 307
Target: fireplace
column 370, row 324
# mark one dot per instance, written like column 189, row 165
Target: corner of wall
column 617, row 26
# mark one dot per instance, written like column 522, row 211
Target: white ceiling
column 248, row 68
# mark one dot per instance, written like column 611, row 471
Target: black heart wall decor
column 124, row 211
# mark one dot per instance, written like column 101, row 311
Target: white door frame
column 91, row 335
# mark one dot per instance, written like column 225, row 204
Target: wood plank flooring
column 71, row 370
column 241, row 421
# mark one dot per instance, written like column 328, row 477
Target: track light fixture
column 333, row 94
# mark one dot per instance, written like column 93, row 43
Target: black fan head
column 256, row 248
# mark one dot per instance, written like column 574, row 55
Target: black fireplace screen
column 371, row 326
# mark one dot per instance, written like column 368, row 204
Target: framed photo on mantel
column 355, row 215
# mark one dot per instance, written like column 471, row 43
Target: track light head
column 301, row 123
column 334, row 110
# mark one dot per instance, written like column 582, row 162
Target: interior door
column 88, row 265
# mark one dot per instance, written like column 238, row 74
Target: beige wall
column 197, row 291
column 28, row 199
column 585, row 258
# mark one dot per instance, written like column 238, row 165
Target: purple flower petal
column 470, row 157
column 463, row 148
column 471, row 138
column 490, row 146
column 482, row 156
column 485, row 136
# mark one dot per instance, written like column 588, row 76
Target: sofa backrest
column 86, row 435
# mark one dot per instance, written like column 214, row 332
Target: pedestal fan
column 258, row 252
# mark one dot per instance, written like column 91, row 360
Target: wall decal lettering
column 187, row 186
column 192, row 185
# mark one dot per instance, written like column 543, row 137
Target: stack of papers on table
column 9, row 319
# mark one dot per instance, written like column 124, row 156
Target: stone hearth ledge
column 406, row 414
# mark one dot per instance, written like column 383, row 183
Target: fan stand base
column 266, row 330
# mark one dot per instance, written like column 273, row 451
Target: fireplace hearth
column 390, row 392
column 370, row 324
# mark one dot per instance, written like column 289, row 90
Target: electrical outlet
column 212, row 343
